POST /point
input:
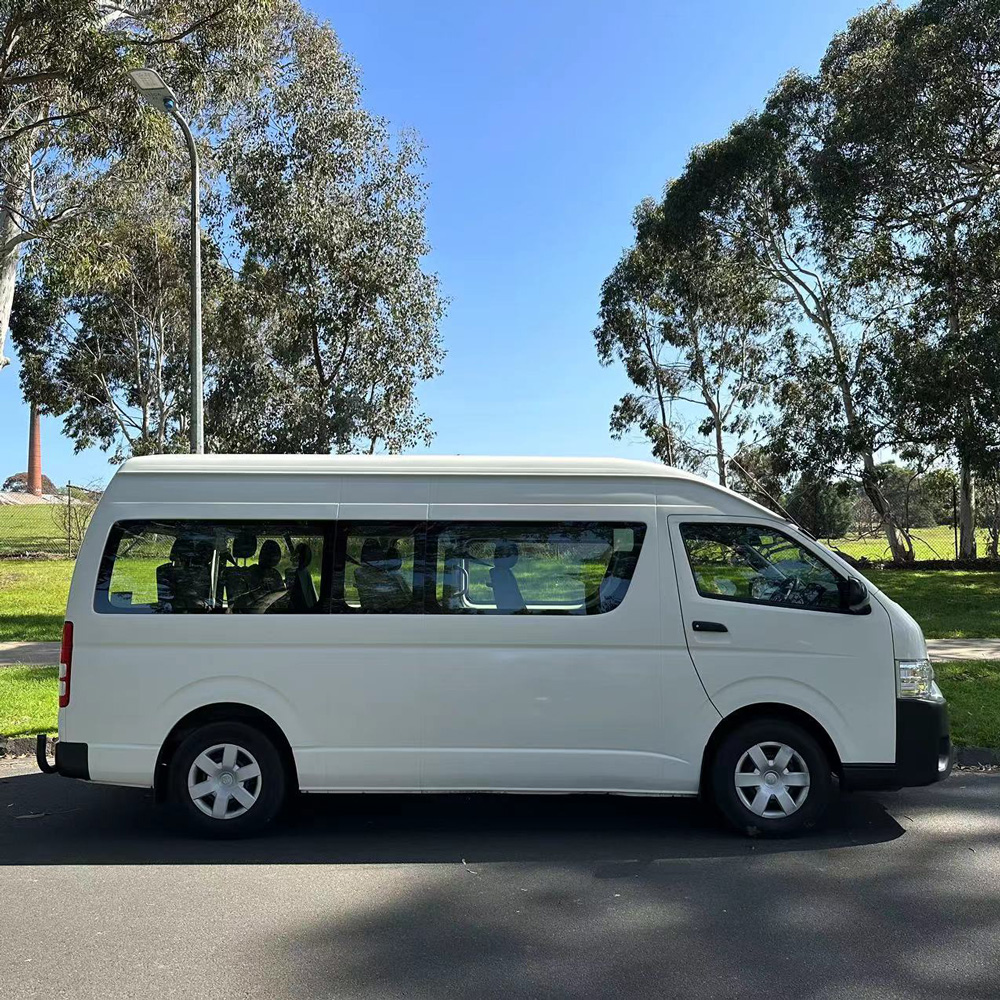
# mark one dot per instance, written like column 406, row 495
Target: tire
column 786, row 800
column 209, row 761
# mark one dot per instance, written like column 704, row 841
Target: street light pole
column 155, row 92
column 197, row 379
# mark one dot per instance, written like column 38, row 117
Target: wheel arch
column 221, row 712
column 769, row 710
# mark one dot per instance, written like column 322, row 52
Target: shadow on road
column 50, row 820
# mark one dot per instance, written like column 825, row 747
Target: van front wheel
column 771, row 777
column 227, row 780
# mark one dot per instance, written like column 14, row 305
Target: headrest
column 244, row 545
column 270, row 554
column 203, row 550
column 622, row 564
column 505, row 554
column 372, row 552
column 183, row 549
column 393, row 560
column 303, row 555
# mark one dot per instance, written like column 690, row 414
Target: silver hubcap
column 772, row 780
column 224, row 781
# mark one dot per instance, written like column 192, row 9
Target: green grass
column 32, row 529
column 33, row 599
column 948, row 604
column 928, row 543
column 29, row 700
column 972, row 688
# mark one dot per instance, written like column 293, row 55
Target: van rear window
column 222, row 567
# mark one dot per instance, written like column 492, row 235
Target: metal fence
column 46, row 527
column 924, row 509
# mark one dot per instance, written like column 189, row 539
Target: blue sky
column 545, row 124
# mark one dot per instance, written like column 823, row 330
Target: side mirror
column 854, row 595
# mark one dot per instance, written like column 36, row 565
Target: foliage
column 910, row 153
column 864, row 199
column 689, row 325
column 72, row 517
column 821, row 507
column 18, row 483
column 337, row 319
column 68, row 115
column 754, row 191
column 318, row 318
column 759, row 472
column 106, row 347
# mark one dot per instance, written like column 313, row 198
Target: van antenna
column 781, row 508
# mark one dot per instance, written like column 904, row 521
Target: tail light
column 65, row 663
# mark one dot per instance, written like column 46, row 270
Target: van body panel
column 836, row 667
column 567, row 702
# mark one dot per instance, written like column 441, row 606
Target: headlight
column 915, row 679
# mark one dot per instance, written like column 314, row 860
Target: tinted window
column 517, row 567
column 752, row 563
column 220, row 567
column 376, row 568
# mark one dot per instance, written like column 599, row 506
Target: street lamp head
column 151, row 88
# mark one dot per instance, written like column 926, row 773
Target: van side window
column 376, row 568
column 748, row 562
column 212, row 567
column 529, row 568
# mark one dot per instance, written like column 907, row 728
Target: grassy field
column 972, row 688
column 30, row 529
column 28, row 700
column 33, row 599
column 928, row 543
column 948, row 604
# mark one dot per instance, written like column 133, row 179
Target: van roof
column 447, row 465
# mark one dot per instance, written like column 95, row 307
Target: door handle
column 708, row 627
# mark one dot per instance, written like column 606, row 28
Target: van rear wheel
column 227, row 780
column 772, row 778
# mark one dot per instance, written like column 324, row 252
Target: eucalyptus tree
column 100, row 323
column 754, row 190
column 68, row 116
column 337, row 317
column 913, row 152
column 689, row 326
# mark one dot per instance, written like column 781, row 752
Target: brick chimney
column 35, row 454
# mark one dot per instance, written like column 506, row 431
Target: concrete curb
column 977, row 757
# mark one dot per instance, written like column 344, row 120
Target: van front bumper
column 72, row 759
column 923, row 750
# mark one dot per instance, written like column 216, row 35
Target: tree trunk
column 720, row 454
column 14, row 195
column 8, row 279
column 900, row 547
column 966, row 512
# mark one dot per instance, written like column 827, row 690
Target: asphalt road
column 439, row 897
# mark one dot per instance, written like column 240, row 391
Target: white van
column 242, row 626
